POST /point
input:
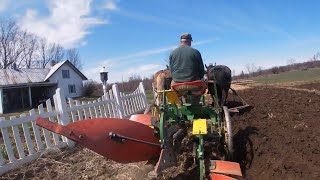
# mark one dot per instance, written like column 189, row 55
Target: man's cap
column 186, row 36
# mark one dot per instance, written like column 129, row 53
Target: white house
column 67, row 77
column 22, row 88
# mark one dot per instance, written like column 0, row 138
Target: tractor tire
column 228, row 132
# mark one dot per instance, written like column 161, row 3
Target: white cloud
column 278, row 30
column 4, row 5
column 83, row 43
column 153, row 51
column 143, row 69
column 197, row 43
column 67, row 24
column 110, row 5
column 144, row 53
column 149, row 18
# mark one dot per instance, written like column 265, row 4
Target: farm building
column 23, row 88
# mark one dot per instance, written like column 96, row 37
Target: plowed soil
column 310, row 86
column 277, row 138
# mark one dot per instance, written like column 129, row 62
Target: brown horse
column 162, row 81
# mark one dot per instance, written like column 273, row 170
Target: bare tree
column 251, row 68
column 30, row 45
column 135, row 77
column 45, row 57
column 291, row 61
column 248, row 67
column 315, row 57
column 259, row 70
column 49, row 53
column 58, row 52
column 74, row 57
column 131, row 84
column 10, row 43
column 242, row 75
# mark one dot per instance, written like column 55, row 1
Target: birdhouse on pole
column 104, row 79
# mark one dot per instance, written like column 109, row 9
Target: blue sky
column 136, row 36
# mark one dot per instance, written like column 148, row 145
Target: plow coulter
column 145, row 137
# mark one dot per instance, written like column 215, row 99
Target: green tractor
column 179, row 114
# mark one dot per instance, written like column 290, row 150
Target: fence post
column 116, row 94
column 60, row 105
column 145, row 100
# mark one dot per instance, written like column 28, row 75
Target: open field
column 278, row 138
column 312, row 74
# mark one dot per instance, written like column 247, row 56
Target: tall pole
column 104, row 84
column 104, row 79
column 30, row 97
column 1, row 101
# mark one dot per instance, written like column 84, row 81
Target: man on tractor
column 186, row 65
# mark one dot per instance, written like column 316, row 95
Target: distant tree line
column 253, row 71
column 133, row 83
column 20, row 49
column 93, row 88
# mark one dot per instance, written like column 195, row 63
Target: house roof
column 22, row 76
column 15, row 77
column 58, row 66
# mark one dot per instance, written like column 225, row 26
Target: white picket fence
column 23, row 141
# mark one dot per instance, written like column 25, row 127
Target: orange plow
column 121, row 140
column 129, row 140
column 218, row 167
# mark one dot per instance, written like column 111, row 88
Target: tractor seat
column 195, row 88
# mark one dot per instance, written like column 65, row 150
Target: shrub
column 92, row 89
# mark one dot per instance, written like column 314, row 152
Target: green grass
column 17, row 114
column 312, row 74
column 86, row 99
column 149, row 95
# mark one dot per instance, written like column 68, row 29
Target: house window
column 65, row 74
column 72, row 88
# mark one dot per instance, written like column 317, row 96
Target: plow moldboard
column 143, row 118
column 94, row 134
